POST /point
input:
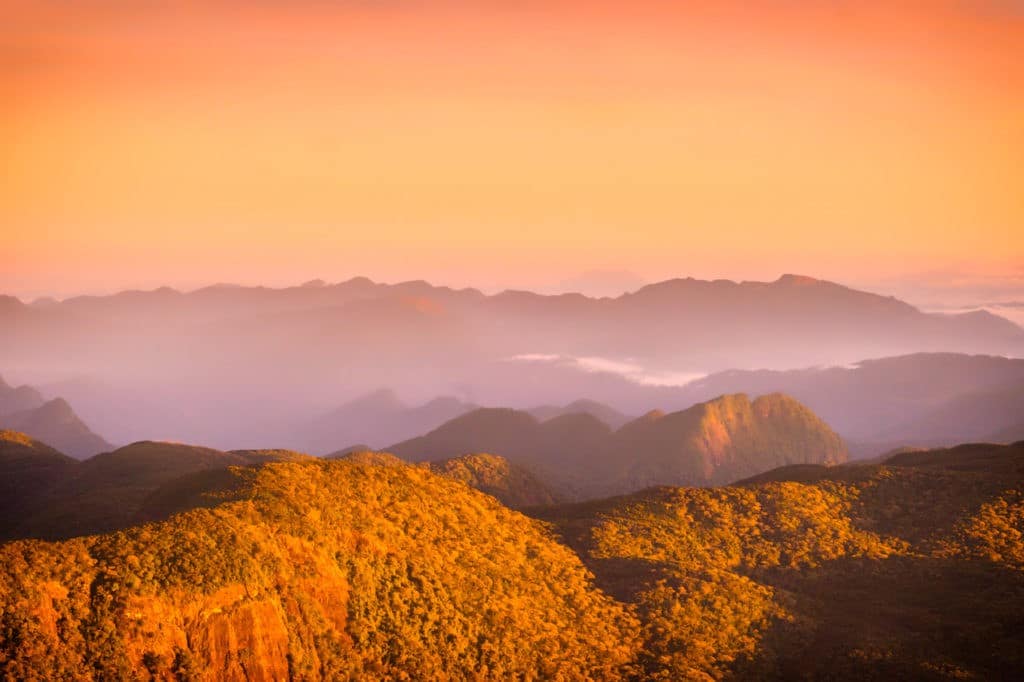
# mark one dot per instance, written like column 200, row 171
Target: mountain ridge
column 578, row 455
column 193, row 366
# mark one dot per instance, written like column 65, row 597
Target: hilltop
column 52, row 496
column 605, row 413
column 717, row 441
column 514, row 486
column 109, row 491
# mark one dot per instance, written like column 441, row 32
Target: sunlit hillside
column 326, row 570
column 368, row 567
column 513, row 485
column 910, row 570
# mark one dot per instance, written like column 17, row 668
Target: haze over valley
column 237, row 367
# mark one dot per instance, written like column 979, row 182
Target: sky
column 500, row 144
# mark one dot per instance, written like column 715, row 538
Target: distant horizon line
column 319, row 283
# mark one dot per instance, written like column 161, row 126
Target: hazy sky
column 509, row 143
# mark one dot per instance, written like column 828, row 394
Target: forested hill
column 910, row 569
column 325, row 570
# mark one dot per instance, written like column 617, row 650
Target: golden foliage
column 350, row 570
column 327, row 570
column 869, row 571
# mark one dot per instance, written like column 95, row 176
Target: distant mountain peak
column 670, row 286
column 15, row 399
column 359, row 281
column 797, row 280
column 442, row 401
column 10, row 303
column 382, row 397
column 58, row 409
column 55, row 423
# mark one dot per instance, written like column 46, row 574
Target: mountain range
column 922, row 399
column 580, row 456
column 510, row 454
column 242, row 366
column 52, row 496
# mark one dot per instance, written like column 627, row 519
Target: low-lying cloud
column 627, row 369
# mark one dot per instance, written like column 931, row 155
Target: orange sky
column 502, row 144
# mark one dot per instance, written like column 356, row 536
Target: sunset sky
column 505, row 144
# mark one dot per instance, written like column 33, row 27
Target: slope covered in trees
column 370, row 567
column 907, row 570
column 321, row 570
column 513, row 485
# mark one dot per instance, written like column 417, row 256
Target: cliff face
column 324, row 570
column 96, row 616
